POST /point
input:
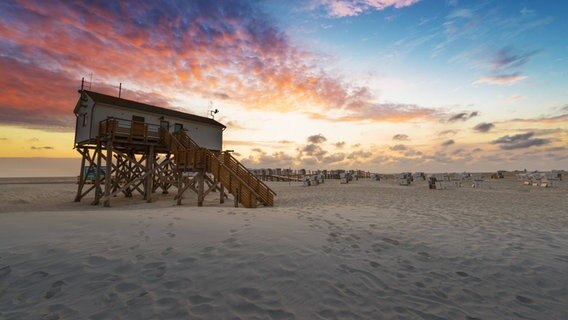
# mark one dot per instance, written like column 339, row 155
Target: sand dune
column 366, row 250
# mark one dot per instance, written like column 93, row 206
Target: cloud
column 317, row 139
column 398, row 147
column 512, row 98
column 520, row 141
column 400, row 137
column 336, row 157
column 235, row 125
column 506, row 58
column 360, row 154
column 339, row 145
column 365, row 111
column 225, row 50
column 221, row 95
column 484, row 127
column 314, row 150
column 448, row 143
column 448, row 133
column 463, row 116
column 348, row 8
column 503, row 79
column 42, row 148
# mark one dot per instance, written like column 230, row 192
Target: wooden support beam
column 179, row 187
column 200, row 188
column 108, row 173
column 98, row 174
column 81, row 181
column 221, row 193
column 150, row 177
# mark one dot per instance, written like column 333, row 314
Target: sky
column 378, row 85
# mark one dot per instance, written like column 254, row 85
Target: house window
column 84, row 116
column 165, row 124
column 178, row 127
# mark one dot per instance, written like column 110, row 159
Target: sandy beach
column 365, row 250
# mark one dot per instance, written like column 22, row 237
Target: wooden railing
column 115, row 128
column 242, row 184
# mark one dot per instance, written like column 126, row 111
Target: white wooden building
column 93, row 108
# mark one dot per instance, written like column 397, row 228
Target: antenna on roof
column 119, row 89
column 91, row 81
column 212, row 111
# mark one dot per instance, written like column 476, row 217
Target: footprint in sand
column 4, row 271
column 249, row 293
column 154, row 270
column 374, row 264
column 524, row 300
column 198, row 299
column 54, row 289
column 462, row 274
column 231, row 243
column 177, row 285
column 391, row 241
column 187, row 260
column 167, row 251
column 126, row 287
column 171, row 234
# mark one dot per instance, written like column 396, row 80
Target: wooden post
column 180, row 186
column 200, row 188
column 221, row 193
column 150, row 177
column 108, row 172
column 236, row 198
column 98, row 174
column 81, row 176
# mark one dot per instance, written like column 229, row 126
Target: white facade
column 90, row 113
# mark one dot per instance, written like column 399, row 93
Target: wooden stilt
column 98, row 190
column 81, row 181
column 236, row 198
column 150, row 177
column 221, row 193
column 200, row 188
column 108, row 181
column 180, row 187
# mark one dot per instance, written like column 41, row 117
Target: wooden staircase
column 243, row 185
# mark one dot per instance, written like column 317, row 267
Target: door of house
column 138, row 126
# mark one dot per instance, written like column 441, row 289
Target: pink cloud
column 210, row 50
column 347, row 8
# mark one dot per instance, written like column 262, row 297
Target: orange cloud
column 191, row 48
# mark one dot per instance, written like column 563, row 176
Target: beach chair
column 478, row 181
column 457, row 179
column 343, row 178
column 306, row 181
column 403, row 179
column 552, row 179
column 314, row 180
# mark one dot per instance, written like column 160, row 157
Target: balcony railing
column 131, row 131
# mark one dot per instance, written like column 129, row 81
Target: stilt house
column 130, row 147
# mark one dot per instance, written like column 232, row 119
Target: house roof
column 134, row 105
